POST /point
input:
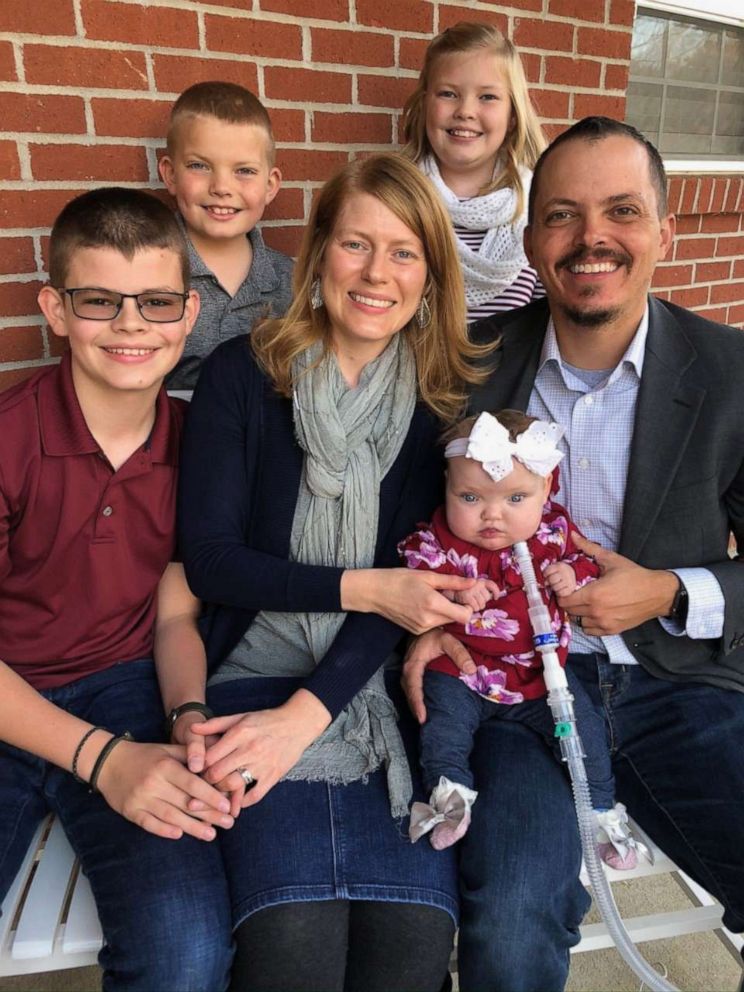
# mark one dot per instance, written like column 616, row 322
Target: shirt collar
column 634, row 353
column 65, row 432
column 263, row 274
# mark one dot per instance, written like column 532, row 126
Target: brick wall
column 86, row 85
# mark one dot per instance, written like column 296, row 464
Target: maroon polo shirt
column 82, row 548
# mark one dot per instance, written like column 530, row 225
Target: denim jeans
column 454, row 713
column 677, row 759
column 163, row 904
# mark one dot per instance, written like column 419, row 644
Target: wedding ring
column 247, row 777
column 577, row 620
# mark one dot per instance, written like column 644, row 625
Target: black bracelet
column 177, row 711
column 88, row 733
column 106, row 750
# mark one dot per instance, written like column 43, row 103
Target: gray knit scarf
column 350, row 437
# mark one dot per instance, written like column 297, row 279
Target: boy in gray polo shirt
column 219, row 166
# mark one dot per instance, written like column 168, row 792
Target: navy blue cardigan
column 240, row 475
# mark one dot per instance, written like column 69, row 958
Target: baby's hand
column 478, row 595
column 561, row 578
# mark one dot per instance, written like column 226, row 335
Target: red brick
column 713, row 272
column 385, row 91
column 718, row 195
column 585, row 104
column 10, row 377
column 673, row 275
column 689, row 195
column 21, row 344
column 451, row 15
column 289, row 204
column 76, row 66
column 345, row 128
column 42, row 17
column 738, row 272
column 286, row 239
column 301, row 165
column 572, row 72
column 32, row 207
column 713, row 223
column 136, row 24
column 697, row 248
column 307, row 85
column 726, row 292
column 288, row 125
column 323, row 10
column 552, row 131
column 600, row 41
column 352, row 47
column 250, row 37
column 730, row 246
column 532, row 65
column 622, row 12
column 16, row 255
column 675, row 193
column 736, row 316
column 413, row 15
column 42, row 112
column 130, row 118
column 175, row 73
column 719, row 314
column 550, row 103
column 577, row 10
column 10, row 167
column 616, row 77
column 697, row 296
column 19, row 298
column 7, row 62
column 411, row 53
column 734, row 193
column 550, row 36
column 83, row 163
column 688, row 224
column 518, row 4
column 705, row 191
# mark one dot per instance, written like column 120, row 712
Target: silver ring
column 246, row 776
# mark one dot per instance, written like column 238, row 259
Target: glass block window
column 686, row 89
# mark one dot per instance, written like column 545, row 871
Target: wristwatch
column 680, row 605
column 170, row 720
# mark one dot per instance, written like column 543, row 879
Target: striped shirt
column 525, row 288
column 599, row 422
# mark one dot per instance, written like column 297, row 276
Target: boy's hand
column 560, row 577
column 479, row 596
column 150, row 785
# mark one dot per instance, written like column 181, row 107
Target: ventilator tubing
column 560, row 702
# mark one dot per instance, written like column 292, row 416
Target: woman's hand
column 410, row 598
column 266, row 743
column 150, row 785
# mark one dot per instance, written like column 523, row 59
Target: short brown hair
column 523, row 142
column 127, row 220
column 226, row 102
column 445, row 357
column 515, row 421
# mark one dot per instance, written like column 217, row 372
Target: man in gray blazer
column 652, row 399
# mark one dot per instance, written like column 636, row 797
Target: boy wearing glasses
column 90, row 595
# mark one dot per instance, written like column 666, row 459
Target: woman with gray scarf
column 310, row 451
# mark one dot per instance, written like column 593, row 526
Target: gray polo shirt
column 266, row 291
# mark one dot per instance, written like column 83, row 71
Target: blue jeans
column 454, row 713
column 163, row 904
column 677, row 759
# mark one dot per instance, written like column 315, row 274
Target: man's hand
column 624, row 596
column 423, row 650
column 479, row 596
column 150, row 785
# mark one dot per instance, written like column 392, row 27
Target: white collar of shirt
column 633, row 356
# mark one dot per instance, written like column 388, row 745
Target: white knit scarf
column 501, row 257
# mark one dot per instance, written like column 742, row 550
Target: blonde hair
column 523, row 142
column 444, row 355
column 226, row 102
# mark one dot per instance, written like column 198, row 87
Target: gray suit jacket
column 685, row 487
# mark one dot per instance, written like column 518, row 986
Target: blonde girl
column 471, row 128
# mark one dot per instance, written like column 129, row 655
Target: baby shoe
column 617, row 847
column 446, row 815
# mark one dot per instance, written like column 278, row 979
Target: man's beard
column 591, row 318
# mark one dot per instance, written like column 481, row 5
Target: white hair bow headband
column 536, row 448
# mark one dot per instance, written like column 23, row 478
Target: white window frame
column 720, row 12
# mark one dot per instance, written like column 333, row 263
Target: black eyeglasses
column 105, row 304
